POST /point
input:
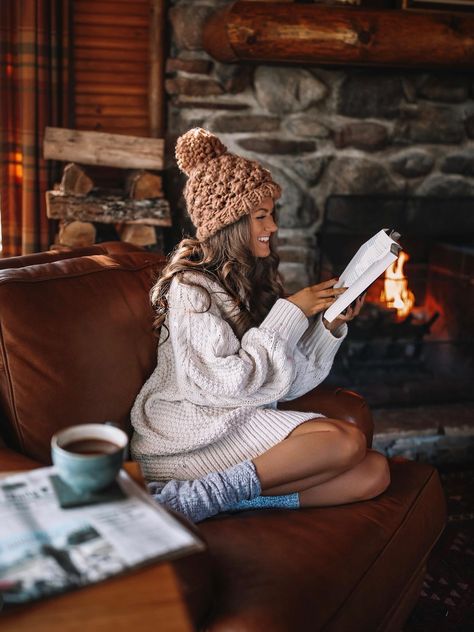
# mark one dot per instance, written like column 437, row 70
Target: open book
column 45, row 550
column 369, row 262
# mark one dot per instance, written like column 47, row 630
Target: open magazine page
column 45, row 549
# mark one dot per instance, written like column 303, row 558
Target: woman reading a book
column 207, row 429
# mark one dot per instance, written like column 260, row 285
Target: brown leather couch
column 76, row 345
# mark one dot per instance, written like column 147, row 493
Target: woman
column 231, row 347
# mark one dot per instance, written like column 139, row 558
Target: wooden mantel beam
column 316, row 34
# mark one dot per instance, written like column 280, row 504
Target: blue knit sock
column 287, row 501
column 207, row 496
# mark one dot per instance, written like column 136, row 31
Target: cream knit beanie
column 221, row 186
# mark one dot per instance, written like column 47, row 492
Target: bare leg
column 365, row 480
column 322, row 448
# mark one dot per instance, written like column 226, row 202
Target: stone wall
column 322, row 131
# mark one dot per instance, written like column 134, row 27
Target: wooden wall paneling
column 127, row 100
column 112, row 64
column 156, row 69
column 114, row 33
column 120, row 45
column 89, row 7
column 113, row 54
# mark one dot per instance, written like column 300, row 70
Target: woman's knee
column 352, row 444
column 376, row 477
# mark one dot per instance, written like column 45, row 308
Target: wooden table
column 142, row 600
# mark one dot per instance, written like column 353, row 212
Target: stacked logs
column 135, row 211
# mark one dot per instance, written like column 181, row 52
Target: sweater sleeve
column 314, row 356
column 215, row 368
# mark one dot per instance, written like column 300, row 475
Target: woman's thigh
column 324, row 447
column 323, row 424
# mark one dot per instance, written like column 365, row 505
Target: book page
column 359, row 286
column 370, row 252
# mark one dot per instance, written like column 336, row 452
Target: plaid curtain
column 34, row 53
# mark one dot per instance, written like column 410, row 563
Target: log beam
column 109, row 209
column 312, row 34
column 98, row 148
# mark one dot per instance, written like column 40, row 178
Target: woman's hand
column 351, row 312
column 316, row 298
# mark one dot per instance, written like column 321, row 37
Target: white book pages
column 370, row 252
column 369, row 262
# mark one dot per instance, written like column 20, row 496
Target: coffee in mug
column 88, row 457
column 89, row 445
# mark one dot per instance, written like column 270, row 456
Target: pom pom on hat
column 197, row 147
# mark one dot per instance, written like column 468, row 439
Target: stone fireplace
column 323, row 131
column 343, row 133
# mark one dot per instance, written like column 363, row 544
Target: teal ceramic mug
column 88, row 457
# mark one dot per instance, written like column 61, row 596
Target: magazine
column 45, row 550
column 370, row 261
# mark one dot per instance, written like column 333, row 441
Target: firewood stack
column 136, row 210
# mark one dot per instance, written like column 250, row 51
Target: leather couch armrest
column 11, row 461
column 335, row 403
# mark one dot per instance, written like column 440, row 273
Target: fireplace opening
column 413, row 342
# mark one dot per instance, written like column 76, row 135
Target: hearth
column 422, row 352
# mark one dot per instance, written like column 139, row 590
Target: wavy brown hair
column 253, row 282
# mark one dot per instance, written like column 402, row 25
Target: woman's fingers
column 315, row 298
column 333, row 292
column 358, row 304
column 321, row 305
column 324, row 284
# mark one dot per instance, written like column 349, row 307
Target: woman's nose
column 271, row 225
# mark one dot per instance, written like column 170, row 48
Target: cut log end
column 138, row 234
column 75, row 181
column 142, row 185
column 76, row 234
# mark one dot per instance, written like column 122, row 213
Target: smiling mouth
column 263, row 240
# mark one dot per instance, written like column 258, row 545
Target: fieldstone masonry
column 322, row 131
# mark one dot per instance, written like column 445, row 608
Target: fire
column 395, row 292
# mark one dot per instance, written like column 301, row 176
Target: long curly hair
column 254, row 283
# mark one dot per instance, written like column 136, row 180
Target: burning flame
column 395, row 292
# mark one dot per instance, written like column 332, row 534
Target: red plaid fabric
column 34, row 37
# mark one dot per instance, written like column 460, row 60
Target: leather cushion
column 48, row 256
column 332, row 569
column 76, row 344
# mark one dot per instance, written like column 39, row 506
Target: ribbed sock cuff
column 287, row 501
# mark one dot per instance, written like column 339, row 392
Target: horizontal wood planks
column 111, row 66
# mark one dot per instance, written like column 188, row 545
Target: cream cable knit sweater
column 211, row 400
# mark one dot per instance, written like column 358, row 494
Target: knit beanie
column 221, row 187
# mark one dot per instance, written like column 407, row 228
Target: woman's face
column 262, row 225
